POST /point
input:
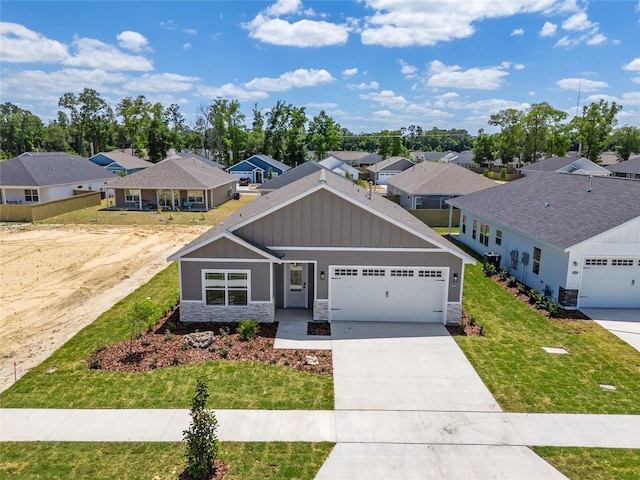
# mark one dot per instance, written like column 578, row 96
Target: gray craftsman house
column 323, row 244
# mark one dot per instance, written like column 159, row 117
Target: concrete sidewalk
column 375, row 427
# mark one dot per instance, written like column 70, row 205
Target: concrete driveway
column 403, row 366
column 623, row 323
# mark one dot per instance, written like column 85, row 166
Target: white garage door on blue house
column 377, row 294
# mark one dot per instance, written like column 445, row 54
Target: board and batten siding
column 323, row 219
column 221, row 194
column 378, row 258
column 191, row 278
column 223, row 248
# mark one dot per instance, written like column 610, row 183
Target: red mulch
column 164, row 346
column 467, row 327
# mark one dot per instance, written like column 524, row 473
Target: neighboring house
column 575, row 166
column 382, row 171
column 258, row 168
column 290, row 176
column 464, row 159
column 431, row 156
column 430, row 184
column 45, row 176
column 339, row 167
column 575, row 238
column 347, row 156
column 627, row 169
column 184, row 183
column 204, row 160
column 324, row 244
column 119, row 162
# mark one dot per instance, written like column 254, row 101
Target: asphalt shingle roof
column 126, row 160
column 432, row 178
column 557, row 208
column 630, row 166
column 277, row 197
column 391, row 163
column 175, row 173
column 291, row 175
column 44, row 169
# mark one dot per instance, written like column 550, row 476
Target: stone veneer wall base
column 320, row 310
column 454, row 313
column 199, row 312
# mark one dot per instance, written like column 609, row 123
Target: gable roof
column 339, row 166
column 557, row 208
column 576, row 166
column 433, row 178
column 175, row 173
column 48, row 169
column 391, row 164
column 347, row 155
column 323, row 179
column 291, row 175
column 629, row 166
column 124, row 159
column 263, row 162
column 211, row 163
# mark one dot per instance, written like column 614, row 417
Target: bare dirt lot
column 54, row 280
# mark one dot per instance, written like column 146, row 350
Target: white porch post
column 206, row 200
column 450, row 217
column 173, row 200
column 140, row 200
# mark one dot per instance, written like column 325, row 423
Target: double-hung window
column 31, row 195
column 537, row 253
column 132, row 195
column 498, row 237
column 464, row 224
column 474, row 231
column 226, row 287
column 484, row 234
column 195, row 196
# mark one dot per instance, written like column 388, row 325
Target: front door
column 295, row 285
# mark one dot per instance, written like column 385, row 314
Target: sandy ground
column 54, row 280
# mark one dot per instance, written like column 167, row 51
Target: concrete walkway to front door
column 403, row 366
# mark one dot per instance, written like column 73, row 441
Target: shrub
column 95, row 364
column 503, row 174
column 552, row 307
column 522, row 288
column 141, row 313
column 486, row 173
column 503, row 274
column 248, row 329
column 489, row 269
column 511, row 281
column 201, row 440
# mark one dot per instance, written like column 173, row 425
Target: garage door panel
column 610, row 283
column 387, row 294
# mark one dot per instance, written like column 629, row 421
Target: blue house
column 257, row 168
column 120, row 162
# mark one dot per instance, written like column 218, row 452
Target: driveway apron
column 403, row 366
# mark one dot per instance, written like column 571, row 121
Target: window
column 418, row 203
column 402, row 273
column 31, row 195
column 498, row 237
column 430, row 273
column 131, row 195
column 593, row 262
column 373, row 272
column 195, row 196
column 536, row 260
column 484, row 234
column 474, row 231
column 464, row 224
column 345, row 272
column 622, row 262
column 226, row 288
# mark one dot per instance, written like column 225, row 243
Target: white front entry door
column 295, row 285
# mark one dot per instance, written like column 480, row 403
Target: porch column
column 173, row 200
column 140, row 200
column 206, row 200
column 450, row 217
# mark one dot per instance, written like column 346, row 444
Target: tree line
column 87, row 124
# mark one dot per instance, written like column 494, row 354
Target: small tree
column 139, row 314
column 202, row 442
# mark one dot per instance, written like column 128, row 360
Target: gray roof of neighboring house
column 557, row 208
column 580, row 166
column 347, row 155
column 629, row 166
column 336, row 165
column 283, row 167
column 336, row 182
column 205, row 160
column 175, row 173
column 369, row 159
column 126, row 160
column 291, row 175
column 464, row 158
column 47, row 169
column 391, row 163
column 434, row 178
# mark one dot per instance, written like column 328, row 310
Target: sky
column 369, row 64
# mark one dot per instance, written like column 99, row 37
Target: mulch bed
column 319, row 328
column 165, row 346
column 467, row 327
column 220, row 469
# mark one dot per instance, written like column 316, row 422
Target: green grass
column 159, row 461
column 445, row 230
column 232, row 384
column 524, row 378
column 593, row 463
column 97, row 215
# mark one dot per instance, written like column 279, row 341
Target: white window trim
column 194, row 198
column 133, row 198
column 226, row 288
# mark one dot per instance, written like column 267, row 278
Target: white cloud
column 299, row 78
column 186, row 46
column 382, row 113
column 268, row 28
column 518, row 32
column 548, row 29
column 349, row 72
column 386, row 98
column 190, row 31
column 442, row 100
column 582, row 84
column 532, row 93
column 407, row 69
column 232, row 92
column 93, row 53
column 518, row 66
column 443, row 76
column 488, row 106
column 578, row 22
column 628, row 99
column 133, row 41
column 633, row 65
column 363, row 86
column 18, row 44
column 403, row 23
column 321, row 106
column 597, row 39
column 566, row 42
column 163, row 82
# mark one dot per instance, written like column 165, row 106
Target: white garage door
column 610, row 282
column 402, row 294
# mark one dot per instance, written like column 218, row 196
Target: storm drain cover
column 558, row 351
column 607, row 387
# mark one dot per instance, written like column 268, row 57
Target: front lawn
column 159, row 461
column 524, row 378
column 593, row 463
column 233, row 384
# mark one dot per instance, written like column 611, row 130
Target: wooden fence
column 40, row 211
column 437, row 217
